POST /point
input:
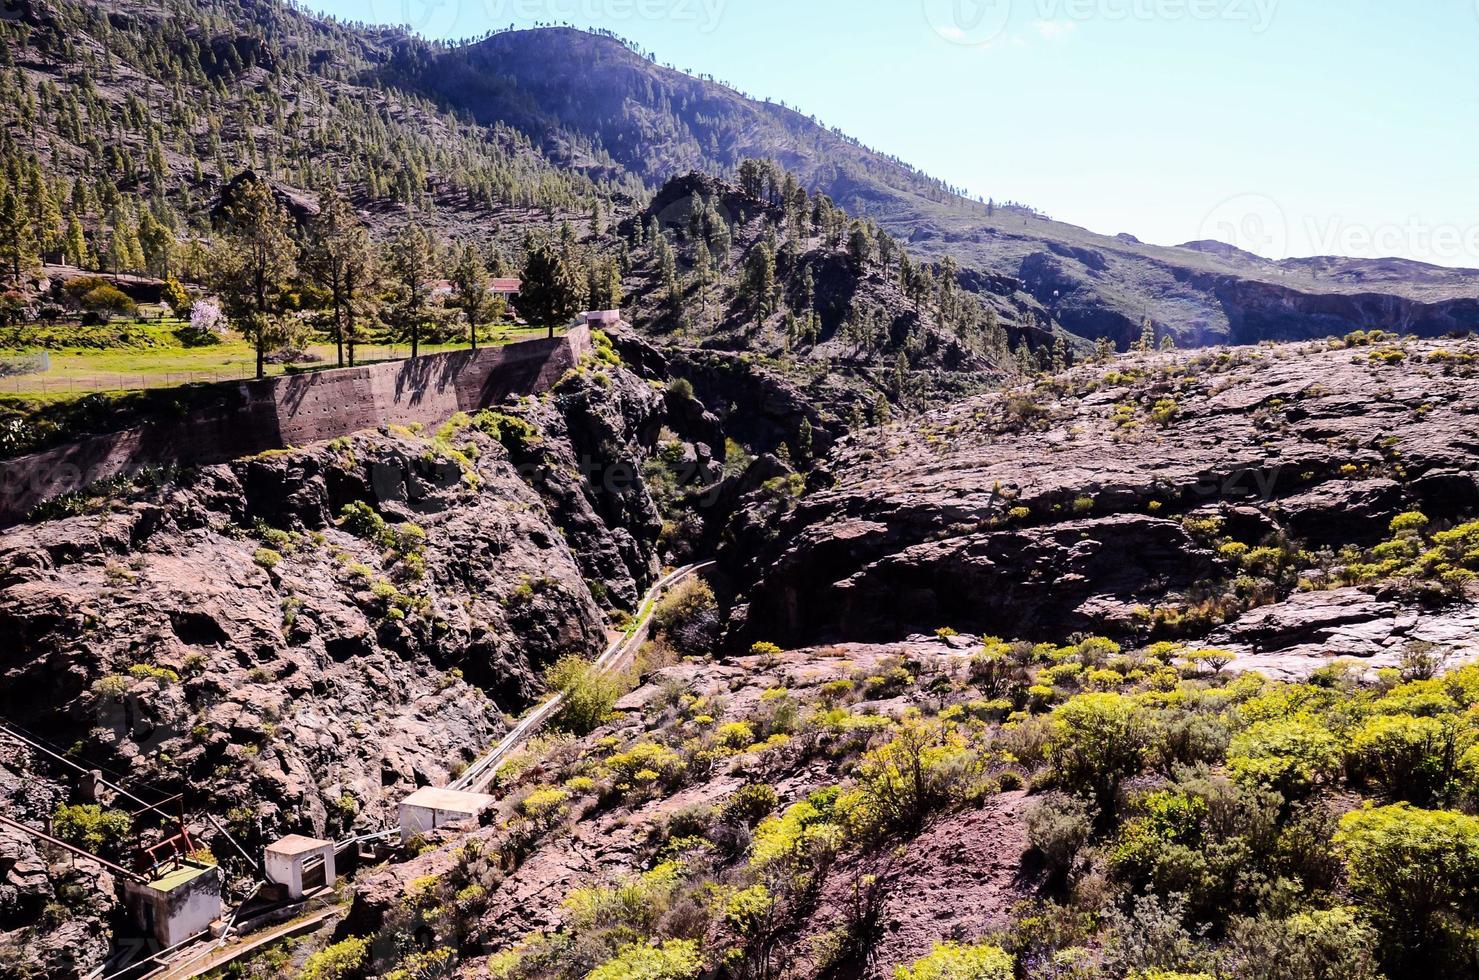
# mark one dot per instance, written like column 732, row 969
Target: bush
column 1409, row 758
column 92, row 828
column 676, row 959
column 689, row 617
column 1058, row 827
column 926, row 767
column 109, row 301
column 588, row 694
column 1319, row 945
column 360, row 519
column 1097, row 741
column 750, row 804
column 1417, row 872
column 337, row 962
column 952, row 961
column 1289, row 755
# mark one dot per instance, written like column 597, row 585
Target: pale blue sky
column 1291, row 127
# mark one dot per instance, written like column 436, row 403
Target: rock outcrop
column 296, row 640
column 1082, row 504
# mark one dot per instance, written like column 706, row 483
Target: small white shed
column 181, row 902
column 429, row 808
column 300, row 864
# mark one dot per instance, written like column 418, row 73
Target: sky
column 1286, row 127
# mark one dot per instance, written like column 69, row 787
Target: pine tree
column 340, row 256
column 760, row 281
column 550, row 291
column 881, row 412
column 156, row 244
column 859, row 246
column 803, row 441
column 17, row 240
column 1147, row 336
column 410, row 268
column 74, row 245
column 473, row 289
column 253, row 261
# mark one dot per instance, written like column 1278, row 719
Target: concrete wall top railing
column 294, row 410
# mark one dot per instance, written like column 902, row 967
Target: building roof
column 506, row 285
column 432, row 798
column 185, row 873
column 294, row 844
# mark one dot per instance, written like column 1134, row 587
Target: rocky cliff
column 298, row 639
column 1158, row 496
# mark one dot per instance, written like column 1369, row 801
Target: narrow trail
column 481, row 773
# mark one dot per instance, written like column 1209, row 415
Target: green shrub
column 750, row 804
column 90, row 827
column 588, row 694
column 1417, row 872
column 1058, row 827
column 1289, row 755
column 689, row 617
column 1410, row 758
column 1098, row 741
column 953, row 961
column 340, row 961
column 361, row 520
column 927, row 766
column 1316, row 945
column 676, row 959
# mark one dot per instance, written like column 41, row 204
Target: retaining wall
column 294, row 410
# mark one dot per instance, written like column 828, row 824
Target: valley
column 611, row 527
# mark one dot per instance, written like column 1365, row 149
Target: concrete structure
column 180, row 903
column 300, row 864
column 429, row 808
column 599, row 319
column 294, row 410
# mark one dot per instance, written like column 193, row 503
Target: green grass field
column 157, row 361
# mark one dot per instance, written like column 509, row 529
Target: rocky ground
column 1140, row 498
column 960, row 878
column 299, row 639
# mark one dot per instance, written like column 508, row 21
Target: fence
column 24, row 374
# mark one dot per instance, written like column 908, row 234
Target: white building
column 300, row 864
column 178, row 904
column 429, row 808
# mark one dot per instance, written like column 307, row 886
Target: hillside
column 622, row 113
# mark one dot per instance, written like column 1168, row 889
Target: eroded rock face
column 231, row 633
column 1071, row 507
